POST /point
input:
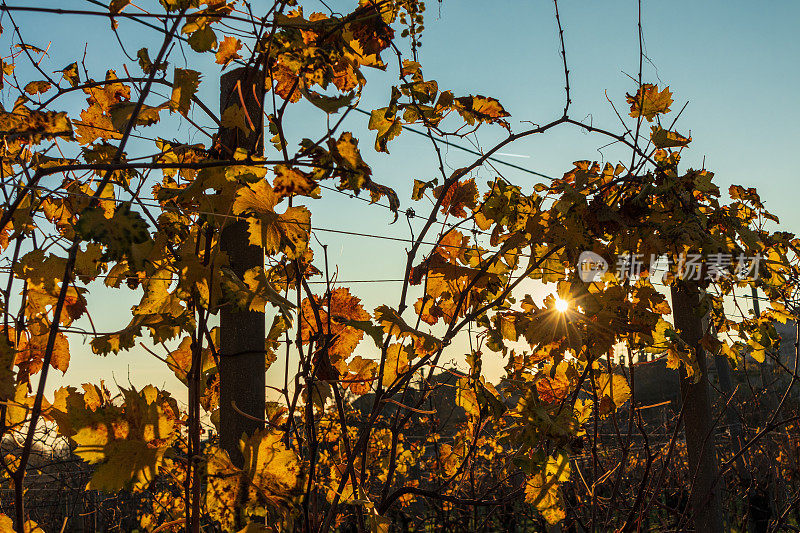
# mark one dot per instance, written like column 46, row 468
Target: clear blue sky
column 736, row 63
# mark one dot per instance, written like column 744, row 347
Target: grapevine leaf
column 37, row 87
column 70, row 73
column 287, row 232
column 668, row 139
column 146, row 64
column 122, row 113
column 393, row 324
column 612, row 392
column 542, row 488
column 35, row 125
column 119, row 234
column 203, row 39
column 459, row 197
column 387, row 125
column 272, row 476
column 361, row 375
column 130, row 463
column 329, row 104
column 228, row 50
column 184, row 86
column 478, row 109
column 254, row 292
column 117, row 5
column 234, row 117
column 396, row 364
column 290, row 181
column 649, row 102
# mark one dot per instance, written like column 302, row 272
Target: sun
column 561, row 305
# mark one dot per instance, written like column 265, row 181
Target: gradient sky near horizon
column 736, row 63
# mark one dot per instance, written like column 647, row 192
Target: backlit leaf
column 291, row 181
column 458, row 198
column 146, row 64
column 254, row 292
column 396, row 364
column 122, row 113
column 228, row 50
column 70, row 73
column 287, row 232
column 184, row 86
column 361, row 374
column 387, row 125
column 542, row 488
column 612, row 392
column 649, row 102
column 117, row 5
column 477, row 109
column 119, row 234
column 329, row 104
column 35, row 126
column 668, row 139
column 272, row 476
column 37, row 87
column 203, row 39
column 393, row 324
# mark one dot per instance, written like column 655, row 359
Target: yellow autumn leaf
column 466, row 398
column 272, row 466
column 126, row 442
column 157, row 300
column 234, row 117
column 253, row 292
column 19, row 407
column 37, row 87
column 131, row 463
column 396, row 363
column 668, row 139
column 31, row 527
column 272, row 477
column 649, row 102
column 36, row 125
column 612, row 392
column 478, row 109
column 70, row 73
column 258, row 198
column 387, row 125
column 6, row 524
column 223, row 487
column 184, row 86
column 393, row 324
column 228, row 50
column 361, row 375
column 290, row 181
column 542, row 488
column 121, row 114
column 287, row 232
column 180, row 359
column 42, row 272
